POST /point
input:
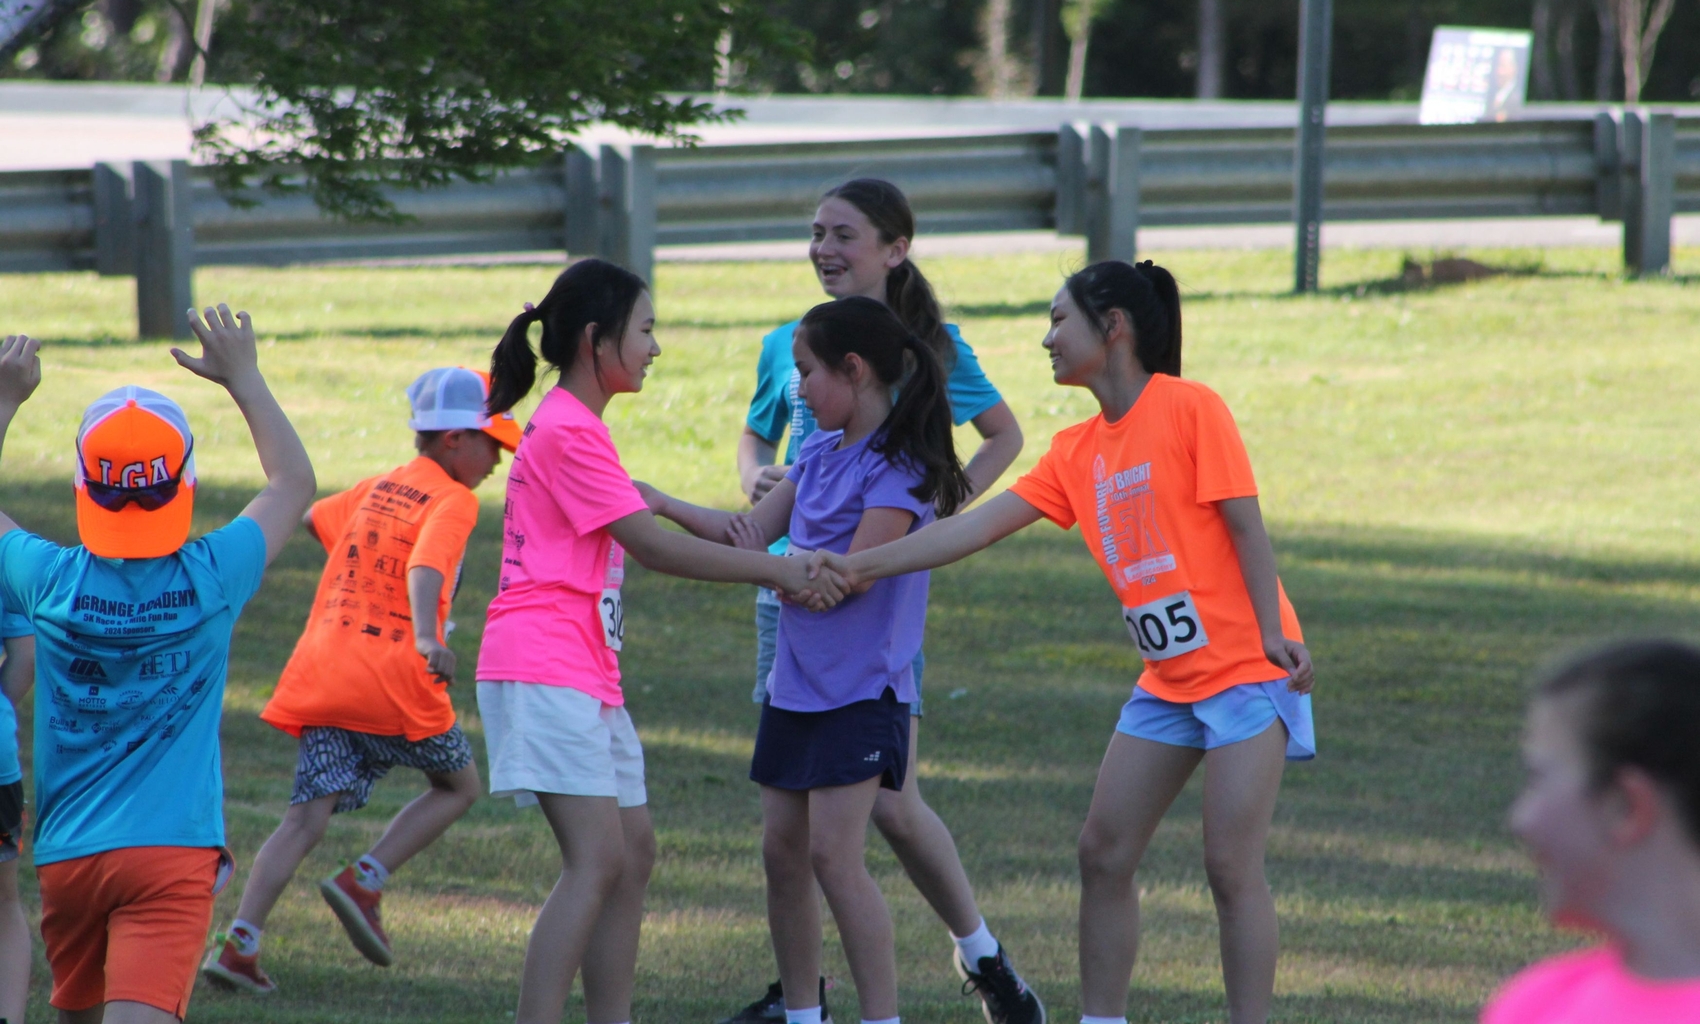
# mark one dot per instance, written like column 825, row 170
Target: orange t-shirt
column 1143, row 491
column 355, row 666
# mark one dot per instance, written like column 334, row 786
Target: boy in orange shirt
column 366, row 688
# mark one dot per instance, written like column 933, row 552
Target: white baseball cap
column 453, row 398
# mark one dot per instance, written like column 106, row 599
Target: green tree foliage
column 356, row 97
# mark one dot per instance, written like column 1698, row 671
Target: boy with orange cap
column 367, row 686
column 132, row 632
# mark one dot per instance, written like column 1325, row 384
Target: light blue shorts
column 767, row 644
column 1237, row 713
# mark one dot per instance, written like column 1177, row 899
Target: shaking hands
column 805, row 584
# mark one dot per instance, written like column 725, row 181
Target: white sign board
column 1474, row 74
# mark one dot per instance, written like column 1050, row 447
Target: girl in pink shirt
column 1611, row 813
column 555, row 724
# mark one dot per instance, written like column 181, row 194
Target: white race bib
column 1166, row 627
column 613, row 613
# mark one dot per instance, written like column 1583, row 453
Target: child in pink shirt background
column 1611, row 813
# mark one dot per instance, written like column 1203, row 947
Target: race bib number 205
column 1166, row 627
column 613, row 618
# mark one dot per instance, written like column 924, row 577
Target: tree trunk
column 1564, row 44
column 996, row 77
column 1080, row 33
column 1541, row 24
column 1212, row 49
column 1050, row 48
column 1637, row 35
column 1605, row 68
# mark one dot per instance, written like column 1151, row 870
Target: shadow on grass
column 1423, row 643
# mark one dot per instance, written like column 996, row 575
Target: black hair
column 906, row 289
column 588, row 292
column 918, row 428
column 1641, row 708
column 1147, row 294
column 423, row 439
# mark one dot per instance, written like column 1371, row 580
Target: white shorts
column 555, row 739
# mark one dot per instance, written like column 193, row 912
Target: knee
column 640, row 858
column 306, row 823
column 895, row 818
column 784, row 854
column 832, row 863
column 1233, row 876
column 601, row 866
column 1104, row 855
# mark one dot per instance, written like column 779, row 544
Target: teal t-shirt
column 12, row 625
column 777, row 412
column 130, row 664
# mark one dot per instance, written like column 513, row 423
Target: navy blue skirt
column 816, row 749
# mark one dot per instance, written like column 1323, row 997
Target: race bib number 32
column 1166, row 627
column 613, row 619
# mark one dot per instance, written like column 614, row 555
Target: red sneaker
column 230, row 969
column 357, row 908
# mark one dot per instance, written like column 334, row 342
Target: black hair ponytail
column 907, row 290
column 588, row 292
column 918, row 428
column 1148, row 295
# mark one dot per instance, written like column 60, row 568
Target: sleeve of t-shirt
column 970, row 392
column 1224, row 468
column 26, row 563
column 887, row 485
column 331, row 516
column 770, row 407
column 1042, row 487
column 237, row 554
column 589, row 484
column 442, row 537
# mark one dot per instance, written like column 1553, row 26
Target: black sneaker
column 1004, row 997
column 770, row 1009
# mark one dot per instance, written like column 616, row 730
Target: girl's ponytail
column 513, row 366
column 907, row 291
column 1150, row 297
column 588, row 292
column 918, row 428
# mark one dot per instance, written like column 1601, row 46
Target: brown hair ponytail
column 588, row 292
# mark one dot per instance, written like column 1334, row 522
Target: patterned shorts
column 336, row 760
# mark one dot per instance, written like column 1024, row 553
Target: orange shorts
column 128, row 924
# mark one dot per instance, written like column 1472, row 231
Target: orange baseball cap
column 453, row 398
column 135, row 475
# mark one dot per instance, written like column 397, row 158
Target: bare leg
column 793, row 905
column 119, row 1012
column 302, row 828
column 1137, row 782
column 838, row 831
column 1240, row 784
column 14, row 947
column 610, row 964
column 593, row 851
column 423, row 821
column 925, row 848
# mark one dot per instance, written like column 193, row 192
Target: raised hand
column 742, row 532
column 229, row 355
column 1293, row 658
column 20, row 369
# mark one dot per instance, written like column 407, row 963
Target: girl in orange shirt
column 1161, row 487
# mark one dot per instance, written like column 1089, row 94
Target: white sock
column 246, row 937
column 1102, row 1020
column 369, row 874
column 808, row 1016
column 977, row 946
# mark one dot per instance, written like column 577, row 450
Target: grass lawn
column 1459, row 482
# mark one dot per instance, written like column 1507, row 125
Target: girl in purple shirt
column 835, row 728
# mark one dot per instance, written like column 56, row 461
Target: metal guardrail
column 159, row 219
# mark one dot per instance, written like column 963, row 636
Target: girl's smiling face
column 1564, row 819
column 848, row 255
column 624, row 373
column 1076, row 348
column 830, row 395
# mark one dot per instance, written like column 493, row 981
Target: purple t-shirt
column 829, row 659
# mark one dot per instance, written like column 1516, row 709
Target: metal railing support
column 1071, row 181
column 1608, row 190
column 1316, row 27
column 1656, row 199
column 1112, row 193
column 164, row 248
column 1629, row 186
column 114, row 220
column 613, row 227
column 640, row 213
column 580, row 212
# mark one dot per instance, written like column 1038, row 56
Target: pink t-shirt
column 1591, row 987
column 557, row 616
